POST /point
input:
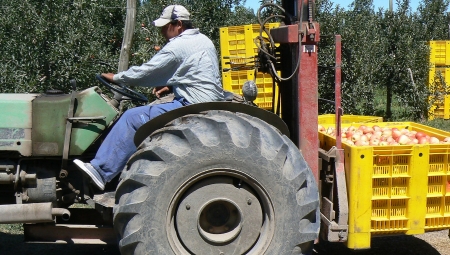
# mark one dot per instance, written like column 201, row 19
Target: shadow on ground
column 11, row 244
column 387, row 245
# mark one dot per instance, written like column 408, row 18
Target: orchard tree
column 405, row 64
column 46, row 43
column 434, row 19
column 360, row 55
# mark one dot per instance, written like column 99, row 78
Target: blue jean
column 118, row 145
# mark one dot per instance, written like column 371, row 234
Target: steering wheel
column 123, row 90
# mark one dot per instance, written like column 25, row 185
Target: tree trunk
column 130, row 23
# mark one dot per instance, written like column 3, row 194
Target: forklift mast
column 299, row 96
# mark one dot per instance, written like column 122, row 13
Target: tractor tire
column 217, row 183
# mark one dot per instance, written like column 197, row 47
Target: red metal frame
column 337, row 97
column 300, row 95
column 308, row 106
column 306, row 34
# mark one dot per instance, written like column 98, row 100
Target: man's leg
column 118, row 145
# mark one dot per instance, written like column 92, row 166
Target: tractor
column 211, row 178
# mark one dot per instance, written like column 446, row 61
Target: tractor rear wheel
column 217, row 183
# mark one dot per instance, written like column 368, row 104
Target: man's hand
column 108, row 76
column 159, row 91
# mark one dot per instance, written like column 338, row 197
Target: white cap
column 170, row 13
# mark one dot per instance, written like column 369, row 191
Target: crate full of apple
column 387, row 134
column 397, row 176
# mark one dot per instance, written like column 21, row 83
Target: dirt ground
column 433, row 243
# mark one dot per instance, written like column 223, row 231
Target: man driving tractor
column 188, row 63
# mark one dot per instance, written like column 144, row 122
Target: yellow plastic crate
column 234, row 80
column 331, row 119
column 440, row 108
column 439, row 79
column 439, row 53
column 237, row 43
column 403, row 189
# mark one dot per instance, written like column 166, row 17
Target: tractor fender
column 160, row 121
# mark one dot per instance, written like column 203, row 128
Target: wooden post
column 128, row 32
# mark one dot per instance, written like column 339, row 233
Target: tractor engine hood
column 16, row 122
column 35, row 124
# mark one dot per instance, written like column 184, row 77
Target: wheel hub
column 217, row 217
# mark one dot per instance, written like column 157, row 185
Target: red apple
column 419, row 135
column 349, row 134
column 396, row 134
column 422, row 140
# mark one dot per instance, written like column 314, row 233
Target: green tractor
column 210, row 178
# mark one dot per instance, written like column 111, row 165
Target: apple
column 321, row 128
column 376, row 128
column 355, row 137
column 349, row 134
column 396, row 134
column 330, row 131
column 434, row 140
column 362, row 128
column 352, row 128
column 362, row 143
column 404, row 131
column 377, row 133
column 390, row 139
column 403, row 140
column 422, row 140
column 375, row 141
column 364, row 138
column 349, row 142
column 419, row 135
column 387, row 132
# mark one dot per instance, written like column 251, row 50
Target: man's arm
column 155, row 72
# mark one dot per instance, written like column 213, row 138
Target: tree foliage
column 385, row 53
column 45, row 43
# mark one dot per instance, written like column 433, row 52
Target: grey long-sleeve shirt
column 188, row 63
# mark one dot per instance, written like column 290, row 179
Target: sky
column 254, row 4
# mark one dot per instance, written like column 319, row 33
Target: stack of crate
column 238, row 51
column 439, row 80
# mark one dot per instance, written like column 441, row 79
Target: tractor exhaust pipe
column 31, row 213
